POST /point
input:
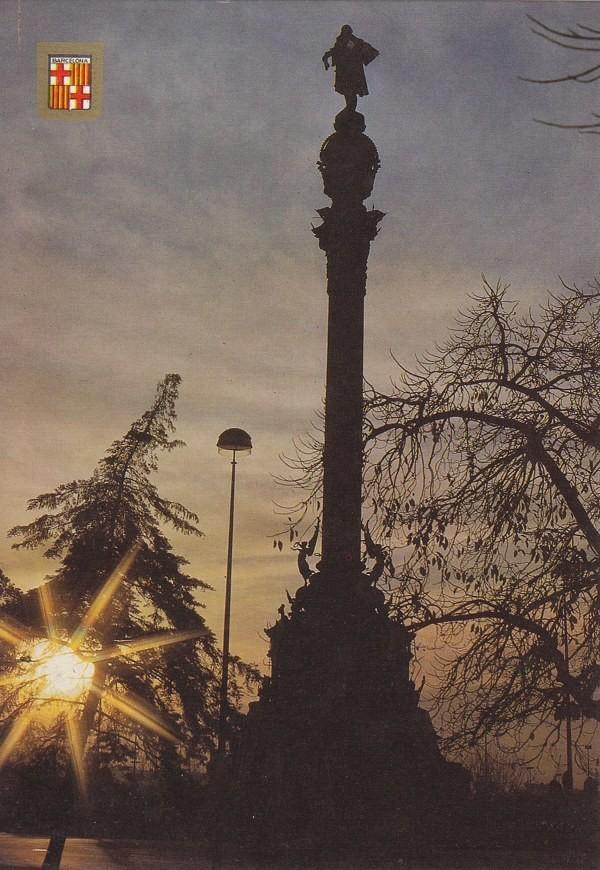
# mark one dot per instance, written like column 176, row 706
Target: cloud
column 173, row 233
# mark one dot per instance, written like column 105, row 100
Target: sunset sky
column 173, row 234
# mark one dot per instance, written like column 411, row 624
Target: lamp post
column 568, row 774
column 233, row 441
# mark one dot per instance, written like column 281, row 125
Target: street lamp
column 232, row 441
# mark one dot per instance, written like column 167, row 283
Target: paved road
column 27, row 853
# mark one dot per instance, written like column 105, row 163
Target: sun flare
column 63, row 674
column 57, row 676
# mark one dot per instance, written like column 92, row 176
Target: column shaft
column 342, row 483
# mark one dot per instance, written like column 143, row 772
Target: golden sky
column 172, row 234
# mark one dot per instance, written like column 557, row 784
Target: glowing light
column 77, row 747
column 149, row 641
column 56, row 675
column 63, row 674
column 104, row 597
column 17, row 731
column 47, row 607
column 12, row 634
column 15, row 679
column 135, row 709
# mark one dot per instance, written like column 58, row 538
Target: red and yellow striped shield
column 70, row 82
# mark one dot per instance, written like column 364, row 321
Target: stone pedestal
column 337, row 753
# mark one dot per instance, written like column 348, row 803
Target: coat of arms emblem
column 70, row 82
column 69, row 78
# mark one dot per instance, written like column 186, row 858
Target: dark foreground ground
column 27, row 853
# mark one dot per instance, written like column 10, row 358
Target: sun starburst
column 58, row 673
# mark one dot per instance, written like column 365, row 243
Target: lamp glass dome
column 234, row 440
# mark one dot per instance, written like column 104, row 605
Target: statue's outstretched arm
column 326, row 57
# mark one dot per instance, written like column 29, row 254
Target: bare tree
column 580, row 38
column 482, row 479
column 483, row 475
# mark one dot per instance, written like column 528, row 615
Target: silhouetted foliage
column 579, row 38
column 10, row 598
column 89, row 525
column 10, row 595
column 482, row 474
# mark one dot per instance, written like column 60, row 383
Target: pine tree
column 11, row 599
column 10, row 595
column 90, row 526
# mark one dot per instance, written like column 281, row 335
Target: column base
column 337, row 749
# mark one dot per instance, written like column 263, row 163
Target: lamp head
column 234, row 440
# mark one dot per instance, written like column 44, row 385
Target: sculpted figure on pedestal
column 349, row 56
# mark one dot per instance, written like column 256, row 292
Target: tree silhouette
column 483, row 471
column 90, row 525
column 579, row 38
column 481, row 477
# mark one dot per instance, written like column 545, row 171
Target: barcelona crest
column 69, row 79
column 70, row 82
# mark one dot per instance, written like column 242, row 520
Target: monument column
column 336, row 751
column 348, row 163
